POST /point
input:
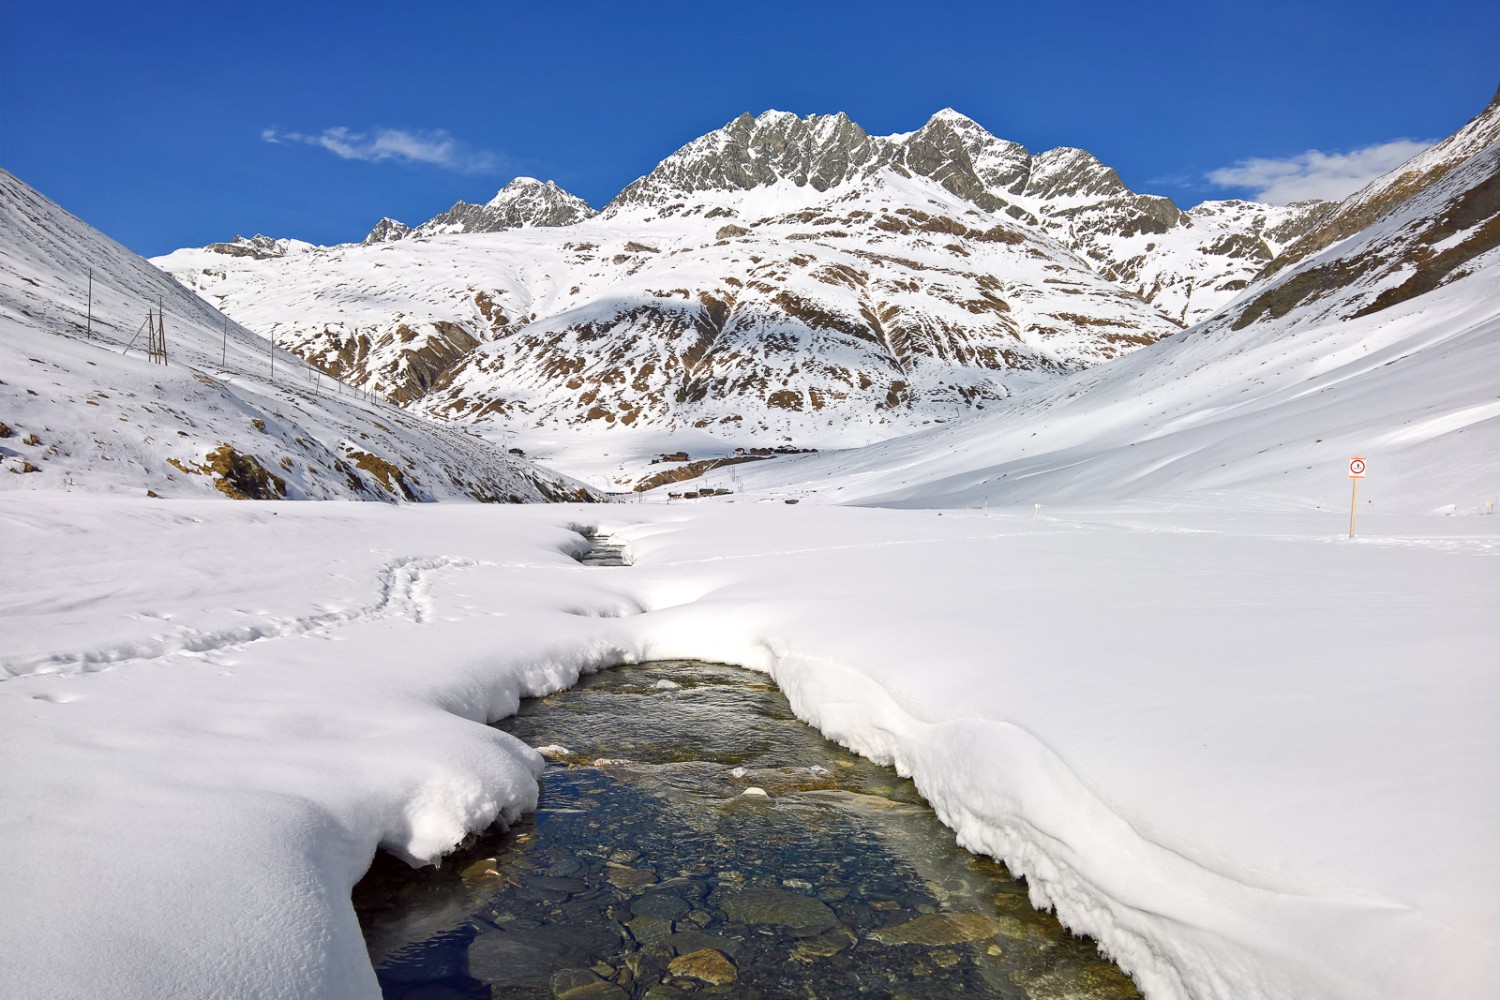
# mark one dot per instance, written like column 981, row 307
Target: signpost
column 1356, row 473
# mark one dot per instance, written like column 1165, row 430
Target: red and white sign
column 1356, row 468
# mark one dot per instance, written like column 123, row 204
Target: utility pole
column 156, row 335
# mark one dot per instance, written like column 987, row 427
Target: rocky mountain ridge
column 1185, row 263
column 522, row 204
column 1380, row 343
column 785, row 276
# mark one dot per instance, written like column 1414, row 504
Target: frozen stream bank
column 694, row 837
column 1256, row 759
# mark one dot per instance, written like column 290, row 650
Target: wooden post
column 224, row 346
column 1357, row 469
column 1353, row 503
column 89, row 330
column 271, row 340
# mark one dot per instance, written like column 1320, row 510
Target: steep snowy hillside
column 81, row 406
column 780, row 278
column 1381, row 346
column 1383, row 194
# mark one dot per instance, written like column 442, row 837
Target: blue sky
column 154, row 121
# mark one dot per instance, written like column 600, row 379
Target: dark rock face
column 827, row 151
column 523, row 203
column 823, row 151
column 387, row 230
column 257, row 247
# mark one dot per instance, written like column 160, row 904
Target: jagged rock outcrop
column 1185, row 264
column 524, row 203
column 388, row 230
column 258, row 247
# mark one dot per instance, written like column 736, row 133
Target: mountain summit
column 524, row 203
column 780, row 276
column 1185, row 263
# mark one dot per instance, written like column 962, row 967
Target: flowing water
column 695, row 839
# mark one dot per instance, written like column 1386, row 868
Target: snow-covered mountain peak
column 388, row 230
column 782, row 275
column 956, row 117
column 1066, row 172
column 532, row 192
column 262, row 247
column 520, row 183
column 524, row 203
column 819, row 151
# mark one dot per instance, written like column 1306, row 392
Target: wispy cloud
column 433, row 147
column 1315, row 174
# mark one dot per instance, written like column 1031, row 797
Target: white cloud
column 435, row 147
column 1315, row 174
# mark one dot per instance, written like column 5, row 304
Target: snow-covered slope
column 1254, row 764
column 1386, row 192
column 88, row 410
column 1381, row 345
column 780, row 278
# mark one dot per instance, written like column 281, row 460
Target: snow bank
column 1251, row 757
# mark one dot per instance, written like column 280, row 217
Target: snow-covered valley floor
column 1252, row 757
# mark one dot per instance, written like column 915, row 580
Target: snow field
column 1304, row 806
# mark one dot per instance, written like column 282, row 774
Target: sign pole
column 1356, row 473
column 1353, row 503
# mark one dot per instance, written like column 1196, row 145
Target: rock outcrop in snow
column 524, row 203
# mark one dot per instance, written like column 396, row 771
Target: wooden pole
column 89, row 330
column 1353, row 503
column 224, row 346
column 137, row 334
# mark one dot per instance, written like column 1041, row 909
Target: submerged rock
column 933, row 929
column 779, row 908
column 585, row 984
column 705, row 965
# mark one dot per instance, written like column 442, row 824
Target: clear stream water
column 695, row 839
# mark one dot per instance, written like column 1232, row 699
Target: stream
column 695, row 839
